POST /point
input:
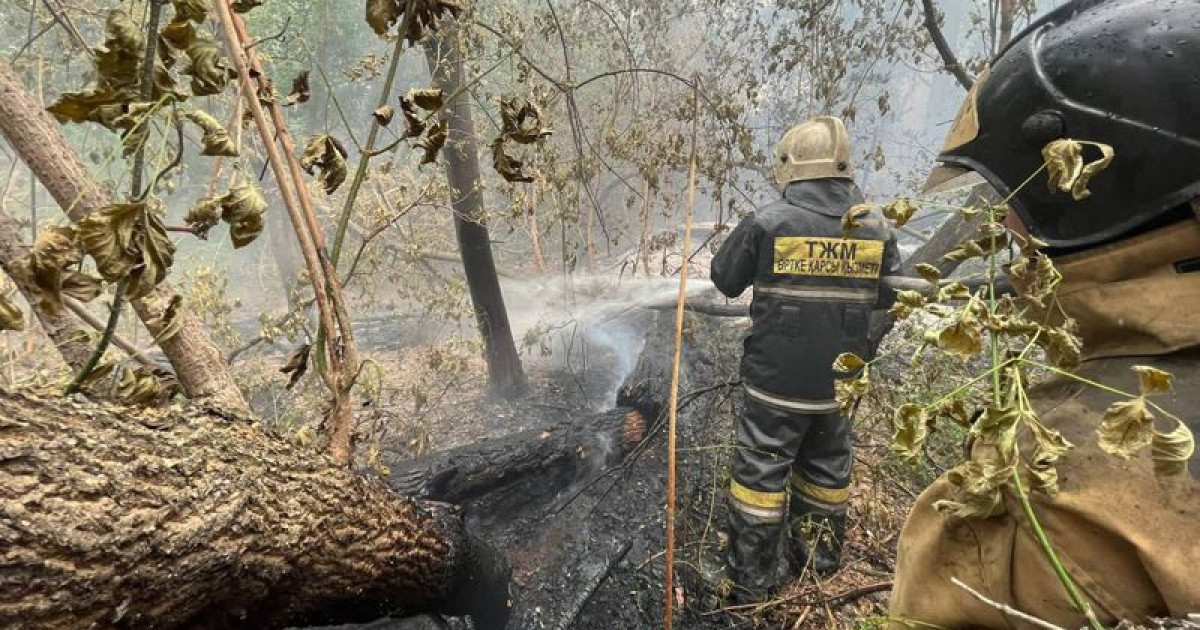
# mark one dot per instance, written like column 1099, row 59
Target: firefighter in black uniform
column 814, row 290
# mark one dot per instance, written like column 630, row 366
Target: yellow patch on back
column 833, row 257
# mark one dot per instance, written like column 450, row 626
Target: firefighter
column 1123, row 73
column 814, row 289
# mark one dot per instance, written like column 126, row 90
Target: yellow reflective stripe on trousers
column 832, row 496
column 792, row 404
column 765, row 505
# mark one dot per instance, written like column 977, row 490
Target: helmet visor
column 948, row 178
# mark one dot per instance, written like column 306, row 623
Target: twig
column 31, row 40
column 283, row 31
column 109, row 330
column 672, row 408
column 1005, row 608
column 833, row 600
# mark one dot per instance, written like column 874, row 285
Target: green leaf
column 909, row 425
column 242, row 209
column 1152, row 380
column 216, row 140
column 325, row 154
column 1172, row 451
column 1127, row 427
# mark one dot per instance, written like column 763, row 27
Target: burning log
column 182, row 519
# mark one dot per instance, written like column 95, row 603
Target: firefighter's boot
column 816, row 536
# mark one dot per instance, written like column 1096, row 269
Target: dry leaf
column 328, row 156
column 508, row 167
column 1172, row 451
column 850, row 220
column 910, row 426
column 210, row 71
column 900, row 211
column 931, row 274
column 297, row 365
column 11, row 317
column 128, row 240
column 1128, row 426
column 204, row 216
column 963, row 338
column 242, row 208
column 242, row 6
column 848, row 362
column 301, row 91
column 428, row 99
column 194, row 10
column 1066, row 170
column 216, row 140
column 1152, row 380
column 383, row 115
column 433, row 142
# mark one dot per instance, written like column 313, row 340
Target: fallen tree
column 111, row 518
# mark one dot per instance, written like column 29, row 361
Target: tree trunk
column 35, row 136
column 69, row 337
column 111, row 518
column 461, row 153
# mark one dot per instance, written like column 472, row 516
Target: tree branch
column 943, row 47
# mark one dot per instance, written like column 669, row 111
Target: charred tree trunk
column 169, row 519
column 461, row 153
column 35, row 136
column 68, row 335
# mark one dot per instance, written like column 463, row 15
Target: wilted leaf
column 521, row 121
column 1152, row 380
column 910, row 428
column 849, row 390
column 1172, row 451
column 81, row 286
column 242, row 208
column 964, row 251
column 140, row 386
column 327, row 155
column 433, row 142
column 414, row 126
column 11, row 317
column 931, row 274
column 1066, row 170
column 508, row 167
column 297, row 365
column 204, row 216
column 954, row 410
column 848, row 362
column 128, row 239
column 194, row 10
column 963, row 338
column 429, row 99
column 978, row 495
column 383, row 115
column 301, row 91
column 210, row 71
column 50, row 261
column 178, row 35
column 82, row 106
column 242, row 6
column 381, row 14
column 171, row 320
column 1063, row 348
column 1128, row 426
column 118, row 60
column 216, row 139
column 850, row 220
column 900, row 211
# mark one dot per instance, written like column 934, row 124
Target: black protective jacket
column 814, row 289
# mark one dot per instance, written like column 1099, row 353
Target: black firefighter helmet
column 1120, row 72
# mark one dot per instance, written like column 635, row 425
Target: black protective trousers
column 777, row 444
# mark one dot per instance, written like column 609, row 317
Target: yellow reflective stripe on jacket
column 765, row 505
column 865, row 295
column 832, row 496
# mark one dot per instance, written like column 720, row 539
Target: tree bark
column 35, row 136
column 69, row 337
column 157, row 519
column 461, row 153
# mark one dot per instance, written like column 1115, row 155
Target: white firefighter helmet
column 815, row 149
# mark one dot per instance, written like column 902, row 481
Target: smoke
column 595, row 326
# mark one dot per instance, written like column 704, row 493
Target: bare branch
column 943, row 47
column 1005, row 608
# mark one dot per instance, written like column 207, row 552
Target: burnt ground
column 589, row 555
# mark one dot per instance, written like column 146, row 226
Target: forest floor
column 591, row 556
